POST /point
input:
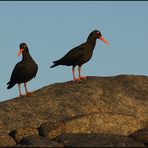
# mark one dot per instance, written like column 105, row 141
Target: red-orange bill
column 101, row 38
column 21, row 50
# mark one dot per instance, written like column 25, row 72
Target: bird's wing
column 18, row 72
column 73, row 55
column 35, row 72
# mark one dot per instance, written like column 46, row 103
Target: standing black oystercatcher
column 23, row 71
column 80, row 54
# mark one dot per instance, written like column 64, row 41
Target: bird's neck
column 25, row 55
column 92, row 42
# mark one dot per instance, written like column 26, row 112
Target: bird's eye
column 98, row 33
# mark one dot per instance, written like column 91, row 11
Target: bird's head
column 23, row 48
column 97, row 34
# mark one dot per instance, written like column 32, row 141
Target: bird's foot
column 77, row 79
column 80, row 78
column 20, row 95
column 83, row 77
column 28, row 94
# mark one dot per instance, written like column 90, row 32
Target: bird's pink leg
column 19, row 87
column 27, row 93
column 81, row 77
column 73, row 73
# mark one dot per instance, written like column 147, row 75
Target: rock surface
column 37, row 141
column 141, row 136
column 97, row 140
column 108, row 105
column 93, row 123
column 6, row 140
column 20, row 133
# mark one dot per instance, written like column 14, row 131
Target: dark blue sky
column 51, row 29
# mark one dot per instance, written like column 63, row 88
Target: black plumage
column 23, row 71
column 80, row 54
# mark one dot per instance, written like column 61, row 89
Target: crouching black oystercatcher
column 80, row 54
column 23, row 71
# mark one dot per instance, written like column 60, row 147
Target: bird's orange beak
column 101, row 38
column 21, row 50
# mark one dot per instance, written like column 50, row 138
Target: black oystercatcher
column 80, row 54
column 23, row 71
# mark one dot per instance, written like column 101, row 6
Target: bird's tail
column 56, row 63
column 10, row 85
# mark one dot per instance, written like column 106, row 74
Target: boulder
column 109, row 105
column 92, row 123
